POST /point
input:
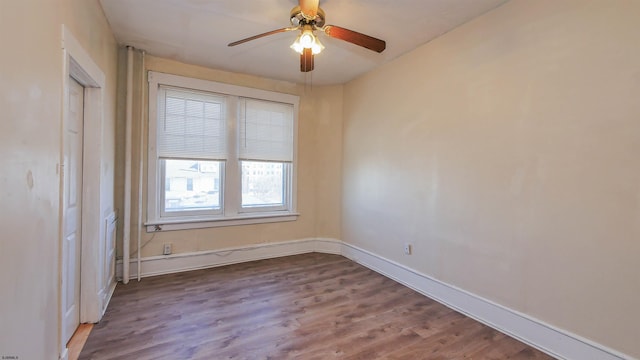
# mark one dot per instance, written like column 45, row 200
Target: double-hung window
column 219, row 154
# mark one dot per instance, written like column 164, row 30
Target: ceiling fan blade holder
column 262, row 35
column 309, row 8
column 298, row 18
column 355, row 38
column 306, row 60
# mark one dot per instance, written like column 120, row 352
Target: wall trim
column 65, row 354
column 167, row 264
column 536, row 333
column 106, row 297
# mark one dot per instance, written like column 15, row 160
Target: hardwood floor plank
column 77, row 341
column 311, row 306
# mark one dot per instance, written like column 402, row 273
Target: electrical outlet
column 166, row 250
column 407, row 248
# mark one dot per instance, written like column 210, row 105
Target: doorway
column 83, row 207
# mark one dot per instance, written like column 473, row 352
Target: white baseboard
column 159, row 265
column 547, row 338
column 65, row 354
column 107, row 298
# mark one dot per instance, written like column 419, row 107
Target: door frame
column 77, row 64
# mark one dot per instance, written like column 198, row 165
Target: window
column 265, row 144
column 219, row 154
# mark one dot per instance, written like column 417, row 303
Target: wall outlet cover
column 408, row 248
column 166, row 249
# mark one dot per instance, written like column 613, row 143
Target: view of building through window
column 195, row 184
column 191, row 185
column 262, row 183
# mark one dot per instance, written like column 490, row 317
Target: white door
column 72, row 209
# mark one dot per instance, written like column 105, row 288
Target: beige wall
column 319, row 154
column 30, row 131
column 507, row 152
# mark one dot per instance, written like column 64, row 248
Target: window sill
column 201, row 223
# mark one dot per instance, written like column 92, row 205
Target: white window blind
column 191, row 125
column 266, row 131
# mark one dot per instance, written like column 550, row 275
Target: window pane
column 263, row 183
column 191, row 185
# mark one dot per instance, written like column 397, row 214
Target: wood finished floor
column 78, row 340
column 311, row 306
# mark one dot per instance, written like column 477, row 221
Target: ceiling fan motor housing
column 297, row 18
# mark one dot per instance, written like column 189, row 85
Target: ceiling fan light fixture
column 297, row 46
column 307, row 40
column 317, row 46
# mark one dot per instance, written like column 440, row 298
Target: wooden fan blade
column 309, row 8
column 262, row 35
column 306, row 60
column 355, row 37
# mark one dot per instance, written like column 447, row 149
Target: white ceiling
column 198, row 31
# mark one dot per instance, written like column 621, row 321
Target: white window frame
column 232, row 211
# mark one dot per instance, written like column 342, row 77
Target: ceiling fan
column 308, row 17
